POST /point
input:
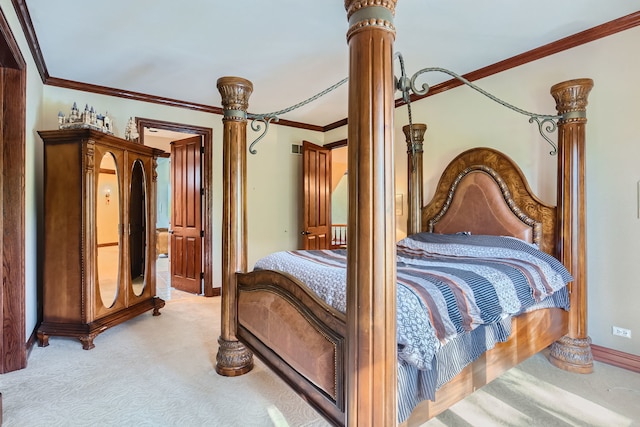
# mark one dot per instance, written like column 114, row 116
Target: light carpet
column 159, row 371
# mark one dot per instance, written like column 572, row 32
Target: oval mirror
column 107, row 230
column 137, row 228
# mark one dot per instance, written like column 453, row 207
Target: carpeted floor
column 159, row 371
column 535, row 393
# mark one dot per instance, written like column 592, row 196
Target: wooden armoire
column 99, row 233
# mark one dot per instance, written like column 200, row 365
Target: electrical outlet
column 621, row 332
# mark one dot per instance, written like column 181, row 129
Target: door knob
column 304, row 233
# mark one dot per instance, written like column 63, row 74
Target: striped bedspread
column 448, row 286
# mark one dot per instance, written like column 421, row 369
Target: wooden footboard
column 297, row 335
column 302, row 339
column 531, row 333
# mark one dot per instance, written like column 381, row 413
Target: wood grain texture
column 371, row 258
column 316, row 201
column 72, row 305
column 414, row 135
column 13, row 349
column 276, row 313
column 186, row 214
column 232, row 358
column 531, row 333
column 573, row 352
column 12, row 293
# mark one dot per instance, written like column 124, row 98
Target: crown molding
column 127, row 94
column 143, row 97
column 587, row 36
column 27, row 28
column 595, row 33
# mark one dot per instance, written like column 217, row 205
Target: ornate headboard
column 484, row 192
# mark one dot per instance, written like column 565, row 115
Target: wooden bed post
column 414, row 167
column 371, row 374
column 233, row 357
column 573, row 351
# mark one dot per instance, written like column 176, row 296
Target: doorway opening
column 160, row 134
column 329, row 186
column 339, row 197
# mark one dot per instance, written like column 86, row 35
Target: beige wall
column 274, row 188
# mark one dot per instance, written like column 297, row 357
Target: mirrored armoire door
column 99, row 203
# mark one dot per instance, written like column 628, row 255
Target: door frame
column 13, row 89
column 206, row 168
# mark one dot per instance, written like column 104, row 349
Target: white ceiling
column 289, row 49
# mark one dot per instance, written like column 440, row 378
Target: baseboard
column 216, row 292
column 616, row 358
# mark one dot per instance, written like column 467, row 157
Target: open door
column 316, row 171
column 186, row 216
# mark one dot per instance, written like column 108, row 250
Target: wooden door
column 185, row 250
column 316, row 171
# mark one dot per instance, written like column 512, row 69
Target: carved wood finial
column 235, row 92
column 414, row 145
column 571, row 97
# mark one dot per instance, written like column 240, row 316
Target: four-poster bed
column 346, row 364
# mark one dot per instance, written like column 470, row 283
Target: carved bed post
column 414, row 167
column 233, row 357
column 371, row 267
column 573, row 351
